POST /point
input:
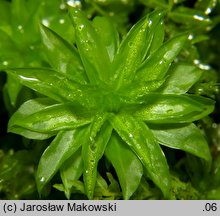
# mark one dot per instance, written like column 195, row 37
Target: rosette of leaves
column 120, row 100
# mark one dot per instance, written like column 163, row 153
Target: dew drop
column 42, row 179
column 20, row 28
column 45, row 22
column 74, row 3
column 208, row 11
column 150, row 23
column 5, row 63
column 62, row 6
column 61, row 21
column 190, row 37
column 130, row 44
column 161, row 62
column 81, row 27
column 131, row 135
column 87, row 171
column 92, row 161
column 169, row 110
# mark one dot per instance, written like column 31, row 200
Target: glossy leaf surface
column 90, row 46
column 141, row 140
column 174, row 108
column 62, row 147
column 132, row 51
column 52, row 84
column 190, row 16
column 110, row 37
column 187, row 138
column 68, row 61
column 128, row 167
column 93, row 150
column 111, row 98
column 157, row 64
column 40, row 120
column 182, row 77
column 71, row 170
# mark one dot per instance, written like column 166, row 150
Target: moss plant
column 115, row 99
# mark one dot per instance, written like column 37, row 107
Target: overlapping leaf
column 92, row 151
column 157, row 64
column 100, row 88
column 68, row 61
column 173, row 108
column 71, row 170
column 128, row 167
column 132, row 51
column 63, row 146
column 185, row 137
column 141, row 140
column 90, row 46
column 37, row 116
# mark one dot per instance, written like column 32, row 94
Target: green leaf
column 173, row 108
column 68, row 60
column 63, row 146
column 110, row 38
column 92, row 151
column 13, row 89
column 19, row 11
column 71, row 170
column 28, row 108
column 101, row 188
column 30, row 134
column 91, row 49
column 141, row 140
column 158, row 63
column 155, row 3
column 181, row 78
column 158, row 37
column 137, row 90
column 48, row 119
column 190, row 16
column 53, row 84
column 4, row 13
column 132, row 50
column 206, row 5
column 128, row 167
column 187, row 138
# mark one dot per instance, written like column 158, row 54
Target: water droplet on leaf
column 150, row 23
column 20, row 28
column 169, row 110
column 45, row 22
column 81, row 27
column 5, row 63
column 62, row 6
column 191, row 36
column 74, row 3
column 61, row 21
column 130, row 44
column 42, row 179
